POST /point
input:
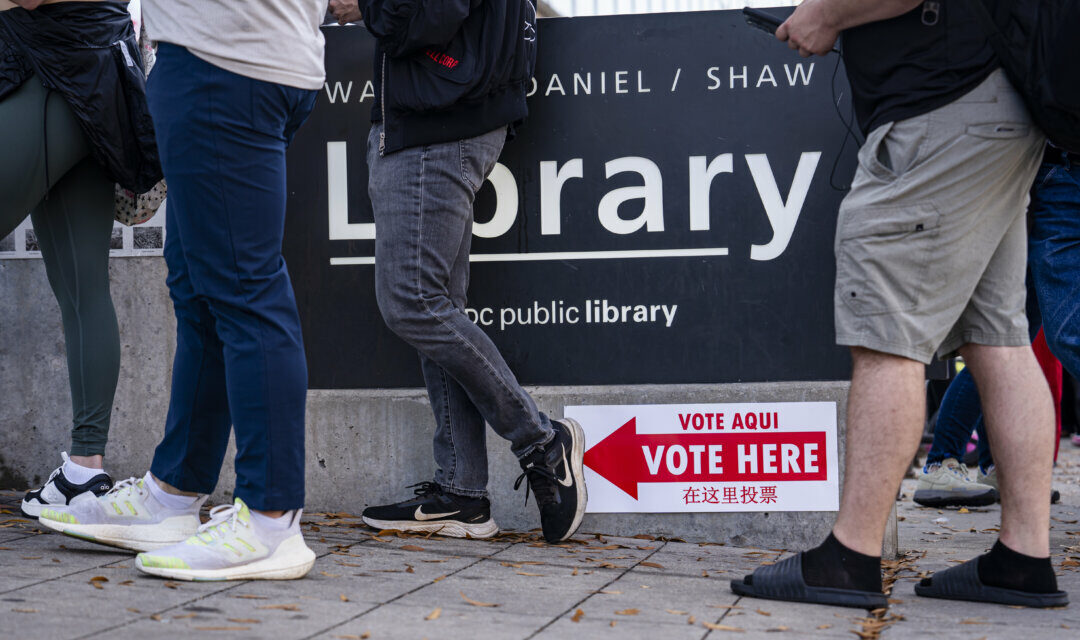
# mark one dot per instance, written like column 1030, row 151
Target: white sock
column 274, row 524
column 78, row 474
column 170, row 500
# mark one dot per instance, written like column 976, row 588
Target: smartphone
column 761, row 20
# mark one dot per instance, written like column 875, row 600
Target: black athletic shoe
column 435, row 510
column 59, row 491
column 557, row 479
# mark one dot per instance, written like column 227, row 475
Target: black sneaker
column 59, row 491
column 435, row 510
column 557, row 479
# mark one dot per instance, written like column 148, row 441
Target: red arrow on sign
column 626, row 457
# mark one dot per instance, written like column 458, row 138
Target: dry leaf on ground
column 476, row 603
column 434, row 615
column 721, row 627
column 578, row 615
column 628, row 612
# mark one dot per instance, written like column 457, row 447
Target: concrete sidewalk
column 366, row 585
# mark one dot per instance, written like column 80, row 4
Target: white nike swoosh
column 421, row 516
column 566, row 480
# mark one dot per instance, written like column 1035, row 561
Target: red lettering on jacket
column 442, row 59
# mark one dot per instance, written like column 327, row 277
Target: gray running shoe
column 947, row 485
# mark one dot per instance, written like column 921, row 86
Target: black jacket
column 88, row 52
column 449, row 69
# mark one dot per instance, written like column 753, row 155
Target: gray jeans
column 423, row 202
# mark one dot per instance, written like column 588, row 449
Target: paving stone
column 410, row 622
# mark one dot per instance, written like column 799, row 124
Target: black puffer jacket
column 449, row 69
column 88, row 52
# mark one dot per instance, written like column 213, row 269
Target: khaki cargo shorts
column 931, row 242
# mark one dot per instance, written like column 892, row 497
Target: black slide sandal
column 962, row 583
column 784, row 581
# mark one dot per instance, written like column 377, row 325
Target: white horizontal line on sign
column 567, row 255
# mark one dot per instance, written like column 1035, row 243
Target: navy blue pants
column 239, row 351
column 1053, row 303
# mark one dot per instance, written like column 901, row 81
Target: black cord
column 851, row 133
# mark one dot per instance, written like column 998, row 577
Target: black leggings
column 72, row 210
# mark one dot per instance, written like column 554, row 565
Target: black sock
column 1007, row 569
column 833, row 565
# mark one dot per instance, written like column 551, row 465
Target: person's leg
column 31, row 171
column 460, row 443
column 74, row 226
column 1053, row 236
column 423, row 209
column 223, row 138
column 959, row 412
column 191, row 451
column 885, row 390
column 71, row 200
column 460, row 433
column 1019, row 418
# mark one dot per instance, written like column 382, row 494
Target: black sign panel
column 666, row 214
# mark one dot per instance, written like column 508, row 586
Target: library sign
column 665, row 215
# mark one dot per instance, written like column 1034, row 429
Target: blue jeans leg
column 1054, row 257
column 423, row 203
column 959, row 412
column 240, row 356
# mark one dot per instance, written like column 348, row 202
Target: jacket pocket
column 883, row 255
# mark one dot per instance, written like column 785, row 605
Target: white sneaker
column 233, row 546
column 128, row 516
column 58, row 491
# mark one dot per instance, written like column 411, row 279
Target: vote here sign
column 776, row 456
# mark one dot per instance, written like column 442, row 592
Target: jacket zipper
column 382, row 106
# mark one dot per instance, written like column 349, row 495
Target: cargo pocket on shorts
column 883, row 255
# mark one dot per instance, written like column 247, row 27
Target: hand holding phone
column 768, row 23
column 761, row 20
